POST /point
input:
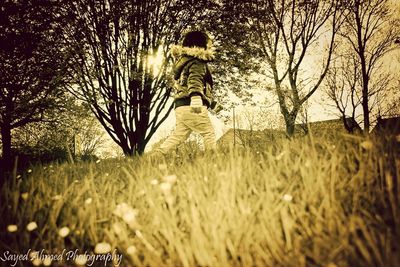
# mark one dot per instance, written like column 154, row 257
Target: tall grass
column 304, row 202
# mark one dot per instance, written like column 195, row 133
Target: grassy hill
column 302, row 202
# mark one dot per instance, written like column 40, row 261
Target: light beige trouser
column 186, row 122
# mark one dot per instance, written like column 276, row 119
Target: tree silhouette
column 32, row 64
column 281, row 36
column 341, row 83
column 121, row 68
column 285, row 39
column 371, row 33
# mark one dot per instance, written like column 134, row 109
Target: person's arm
column 195, row 83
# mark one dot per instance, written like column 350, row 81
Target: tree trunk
column 348, row 127
column 363, row 62
column 365, row 104
column 141, row 147
column 365, row 90
column 290, row 124
column 7, row 161
column 127, row 150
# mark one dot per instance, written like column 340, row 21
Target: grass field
column 305, row 202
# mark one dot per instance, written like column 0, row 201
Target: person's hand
column 218, row 108
column 195, row 104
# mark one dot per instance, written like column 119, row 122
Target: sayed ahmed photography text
column 64, row 256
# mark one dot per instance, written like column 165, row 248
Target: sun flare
column 156, row 61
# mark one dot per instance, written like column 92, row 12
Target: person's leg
column 180, row 134
column 201, row 124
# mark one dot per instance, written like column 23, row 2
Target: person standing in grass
column 193, row 90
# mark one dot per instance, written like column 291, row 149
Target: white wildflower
column 12, row 228
column 102, row 248
column 131, row 250
column 122, row 209
column 129, row 217
column 287, row 197
column 154, row 182
column 127, row 214
column 24, row 196
column 280, row 155
column 88, row 201
column 31, row 226
column 64, row 231
column 36, row 262
column 56, row 197
column 29, row 171
column 165, row 187
column 80, row 260
column 47, row 261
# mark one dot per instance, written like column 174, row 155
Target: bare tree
column 255, row 124
column 371, row 33
column 85, row 134
column 32, row 63
column 343, row 86
column 393, row 102
column 122, row 63
column 248, row 123
column 89, row 139
column 304, row 117
column 286, row 31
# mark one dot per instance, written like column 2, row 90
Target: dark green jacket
column 192, row 75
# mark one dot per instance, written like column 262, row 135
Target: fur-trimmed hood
column 182, row 55
column 204, row 54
